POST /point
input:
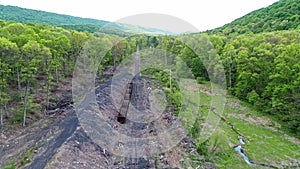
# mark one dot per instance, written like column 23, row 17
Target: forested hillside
column 36, row 59
column 262, row 59
column 12, row 13
column 282, row 15
column 264, row 70
column 22, row 15
column 33, row 60
column 260, row 53
column 261, row 69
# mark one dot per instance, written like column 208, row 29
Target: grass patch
column 265, row 145
column 262, row 144
column 9, row 166
column 22, row 159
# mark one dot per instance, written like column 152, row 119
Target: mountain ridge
column 281, row 15
column 24, row 15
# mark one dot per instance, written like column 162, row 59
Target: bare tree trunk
column 114, row 54
column 230, row 76
column 6, row 110
column 19, row 83
column 64, row 67
column 1, row 117
column 25, row 103
column 47, row 98
column 56, row 74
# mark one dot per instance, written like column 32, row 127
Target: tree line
column 33, row 59
column 261, row 69
column 282, row 15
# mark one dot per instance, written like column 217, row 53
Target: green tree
column 8, row 51
column 32, row 54
column 228, row 57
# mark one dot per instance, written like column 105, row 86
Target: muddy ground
column 60, row 141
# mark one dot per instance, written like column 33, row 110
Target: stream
column 239, row 149
column 241, row 143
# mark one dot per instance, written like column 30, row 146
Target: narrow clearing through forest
column 62, row 142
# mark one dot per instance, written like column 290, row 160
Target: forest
column 260, row 53
column 33, row 60
column 282, row 15
column 262, row 69
column 23, row 15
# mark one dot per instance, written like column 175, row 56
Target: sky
column 192, row 15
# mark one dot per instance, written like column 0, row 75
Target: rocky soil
column 61, row 141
